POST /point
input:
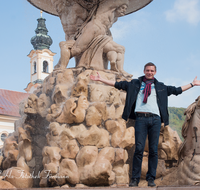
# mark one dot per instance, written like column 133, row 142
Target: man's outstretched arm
column 99, row 78
column 188, row 86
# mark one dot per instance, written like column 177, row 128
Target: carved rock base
column 71, row 134
column 77, row 134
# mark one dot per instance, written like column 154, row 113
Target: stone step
column 126, row 188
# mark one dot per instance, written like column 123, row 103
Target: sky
column 166, row 32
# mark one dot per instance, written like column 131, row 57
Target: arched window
column 45, row 67
column 3, row 136
column 34, row 68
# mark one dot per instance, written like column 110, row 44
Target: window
column 34, row 68
column 45, row 67
column 3, row 136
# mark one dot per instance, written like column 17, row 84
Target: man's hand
column 99, row 78
column 196, row 82
column 96, row 78
column 188, row 86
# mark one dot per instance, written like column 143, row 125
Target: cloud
column 187, row 10
column 122, row 29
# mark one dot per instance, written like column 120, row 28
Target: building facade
column 9, row 111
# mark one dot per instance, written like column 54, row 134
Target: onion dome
column 41, row 40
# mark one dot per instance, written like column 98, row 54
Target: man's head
column 149, row 70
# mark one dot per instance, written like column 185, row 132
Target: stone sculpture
column 19, row 176
column 92, row 39
column 187, row 170
column 87, row 31
column 68, row 138
column 169, row 143
column 73, row 112
column 6, row 185
column 10, row 153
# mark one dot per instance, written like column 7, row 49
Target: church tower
column 41, row 57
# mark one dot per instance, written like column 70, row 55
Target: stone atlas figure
column 87, row 24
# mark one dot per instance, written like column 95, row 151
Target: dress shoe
column 133, row 183
column 151, row 183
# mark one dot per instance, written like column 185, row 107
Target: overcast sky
column 166, row 32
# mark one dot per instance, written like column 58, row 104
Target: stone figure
column 53, row 136
column 6, row 185
column 88, row 34
column 187, row 171
column 38, row 105
column 72, row 15
column 53, row 112
column 19, row 176
column 189, row 152
column 169, row 143
column 87, row 24
column 51, row 157
column 10, row 152
column 73, row 112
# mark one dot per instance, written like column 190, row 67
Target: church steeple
column 41, row 58
column 41, row 40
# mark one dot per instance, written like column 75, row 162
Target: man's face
column 149, row 72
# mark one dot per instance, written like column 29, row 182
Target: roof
column 9, row 102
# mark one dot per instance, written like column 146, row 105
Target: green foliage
column 176, row 119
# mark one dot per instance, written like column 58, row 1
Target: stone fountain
column 71, row 133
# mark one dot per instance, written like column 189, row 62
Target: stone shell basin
column 47, row 6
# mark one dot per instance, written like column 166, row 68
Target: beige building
column 9, row 111
column 41, row 64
